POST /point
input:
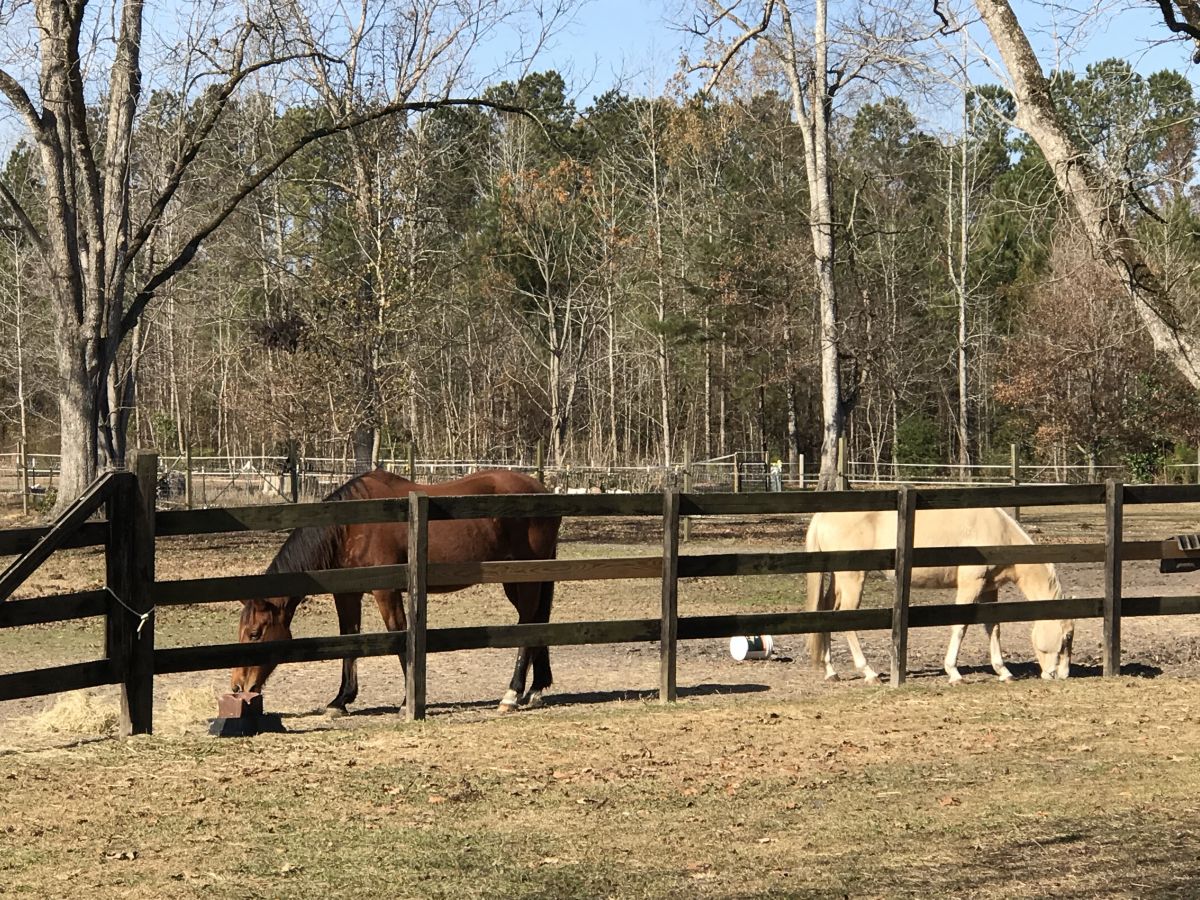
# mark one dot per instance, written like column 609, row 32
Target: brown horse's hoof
column 334, row 712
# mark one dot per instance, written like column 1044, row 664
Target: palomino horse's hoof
column 833, row 676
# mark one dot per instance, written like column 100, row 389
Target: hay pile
column 80, row 713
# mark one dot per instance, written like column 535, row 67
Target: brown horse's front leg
column 349, row 612
column 516, row 687
column 391, row 608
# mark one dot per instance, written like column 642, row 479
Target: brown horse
column 386, row 543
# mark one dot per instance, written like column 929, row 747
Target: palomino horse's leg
column 848, row 587
column 391, row 608
column 970, row 586
column 527, row 600
column 349, row 613
column 993, row 633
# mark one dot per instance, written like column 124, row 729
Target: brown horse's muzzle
column 261, row 621
column 249, row 678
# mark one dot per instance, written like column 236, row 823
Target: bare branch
column 187, row 154
column 11, row 88
column 744, row 38
column 948, row 27
column 1191, row 24
column 251, row 184
column 22, row 217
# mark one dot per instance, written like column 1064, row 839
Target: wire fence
column 206, row 481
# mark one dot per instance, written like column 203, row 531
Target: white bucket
column 758, row 646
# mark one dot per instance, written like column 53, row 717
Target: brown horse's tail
column 818, row 599
column 545, row 601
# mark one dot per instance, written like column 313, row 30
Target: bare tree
column 817, row 68
column 1097, row 200
column 100, row 276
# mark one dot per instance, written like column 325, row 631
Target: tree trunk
column 1087, row 190
column 812, row 109
column 959, row 278
column 78, row 419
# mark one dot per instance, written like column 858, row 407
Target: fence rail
column 194, row 481
column 132, row 592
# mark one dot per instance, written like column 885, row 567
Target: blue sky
column 638, row 44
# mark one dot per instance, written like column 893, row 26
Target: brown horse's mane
column 317, row 547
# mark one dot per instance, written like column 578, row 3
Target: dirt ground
column 763, row 781
column 465, row 685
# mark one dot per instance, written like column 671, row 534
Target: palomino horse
column 386, row 543
column 939, row 528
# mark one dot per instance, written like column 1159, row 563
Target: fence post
column 129, row 632
column 418, row 560
column 1014, row 469
column 23, row 477
column 412, row 461
column 842, row 483
column 1114, row 514
column 906, row 509
column 293, row 469
column 800, row 469
column 187, row 474
column 668, row 643
column 541, row 462
column 737, row 473
column 687, row 489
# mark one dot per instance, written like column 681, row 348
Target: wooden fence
column 132, row 593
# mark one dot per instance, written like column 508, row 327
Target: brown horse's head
column 262, row 620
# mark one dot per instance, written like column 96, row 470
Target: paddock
column 632, row 668
column 761, row 779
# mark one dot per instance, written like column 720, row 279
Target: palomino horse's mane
column 1045, row 573
column 316, row 547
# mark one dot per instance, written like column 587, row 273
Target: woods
column 324, row 231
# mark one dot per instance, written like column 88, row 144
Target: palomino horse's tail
column 818, row 598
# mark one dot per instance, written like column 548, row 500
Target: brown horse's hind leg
column 349, row 613
column 391, row 608
column 532, row 602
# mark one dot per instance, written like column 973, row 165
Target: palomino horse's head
column 1051, row 637
column 1052, row 646
column 262, row 620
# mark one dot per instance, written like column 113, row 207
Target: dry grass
column 1072, row 790
column 1079, row 789
column 78, row 714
